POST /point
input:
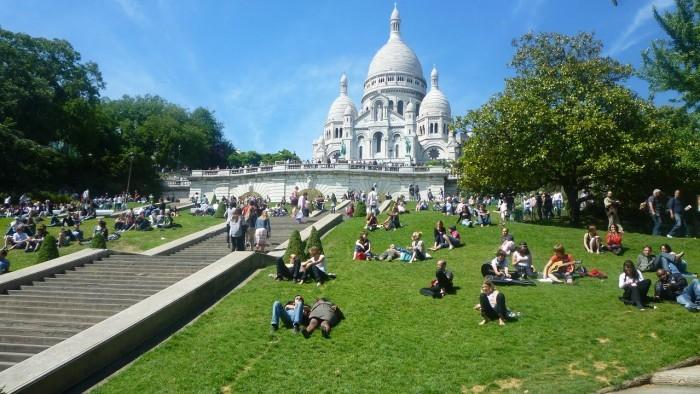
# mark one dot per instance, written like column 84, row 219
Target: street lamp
column 179, row 147
column 131, row 166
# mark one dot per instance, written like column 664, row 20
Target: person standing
column 558, row 200
column 612, row 207
column 676, row 210
column 372, row 202
column 654, row 206
column 411, row 192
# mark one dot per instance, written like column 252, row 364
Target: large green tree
column 563, row 120
column 674, row 63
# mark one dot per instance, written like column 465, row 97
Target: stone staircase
column 46, row 312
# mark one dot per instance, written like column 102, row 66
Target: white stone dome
column 395, row 56
column 410, row 107
column 343, row 103
column 435, row 102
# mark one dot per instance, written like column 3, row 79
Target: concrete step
column 30, row 340
column 39, row 332
column 660, row 389
column 87, row 297
column 121, row 275
column 9, row 301
column 145, row 270
column 11, row 357
column 141, row 259
column 47, row 325
column 97, row 287
column 21, row 348
column 11, row 317
column 689, row 376
column 4, row 365
column 63, row 310
column 156, row 281
column 97, row 293
column 147, row 264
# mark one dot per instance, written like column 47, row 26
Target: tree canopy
column 565, row 120
column 674, row 63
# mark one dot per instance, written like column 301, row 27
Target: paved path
column 672, row 381
column 47, row 311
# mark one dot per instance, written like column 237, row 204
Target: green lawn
column 131, row 241
column 570, row 338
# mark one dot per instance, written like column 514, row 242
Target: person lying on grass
column 324, row 314
column 672, row 261
column 492, row 304
column 668, row 286
column 390, row 254
column 634, row 285
column 363, row 248
column 560, row 267
column 442, row 284
column 293, row 314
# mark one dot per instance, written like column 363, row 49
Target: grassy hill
column 570, row 338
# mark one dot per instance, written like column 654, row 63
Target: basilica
column 397, row 120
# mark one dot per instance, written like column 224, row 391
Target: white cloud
column 644, row 14
column 528, row 12
column 133, row 10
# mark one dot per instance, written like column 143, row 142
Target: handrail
column 318, row 167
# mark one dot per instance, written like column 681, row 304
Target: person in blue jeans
column 654, row 207
column 4, row 263
column 294, row 313
column 676, row 210
column 690, row 298
column 672, row 262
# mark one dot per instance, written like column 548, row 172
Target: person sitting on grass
column 18, row 240
column 591, row 240
column 492, row 304
column 141, row 223
column 371, row 222
column 671, row 261
column 392, row 221
column 291, row 271
column 421, row 205
column 390, row 254
column 613, row 240
column 4, row 262
column 316, row 265
column 499, row 266
column 401, row 206
column 34, row 242
column 634, row 285
column 417, row 247
column 324, row 314
column 668, row 286
column 507, row 241
column 350, row 210
column 363, row 248
column 101, row 228
column 454, row 237
column 465, row 216
column 522, row 261
column 647, row 260
column 483, row 217
column 442, row 284
column 560, row 267
column 440, row 237
column 293, row 314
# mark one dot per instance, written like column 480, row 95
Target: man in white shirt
column 372, row 202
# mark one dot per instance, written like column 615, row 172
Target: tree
column 314, row 240
column 48, row 250
column 674, row 64
column 563, row 120
column 360, row 209
column 295, row 246
column 220, row 211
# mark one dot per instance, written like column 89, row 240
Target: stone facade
column 397, row 121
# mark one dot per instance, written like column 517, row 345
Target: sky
column 270, row 69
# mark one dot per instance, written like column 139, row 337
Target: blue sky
column 270, row 69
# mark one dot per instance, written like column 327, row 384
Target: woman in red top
column 614, row 240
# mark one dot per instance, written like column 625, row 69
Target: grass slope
column 131, row 241
column 570, row 339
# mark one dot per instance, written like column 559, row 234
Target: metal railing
column 324, row 167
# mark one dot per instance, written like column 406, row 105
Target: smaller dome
column 410, row 107
column 339, row 106
column 435, row 102
column 434, row 73
column 349, row 110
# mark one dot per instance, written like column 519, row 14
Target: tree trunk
column 574, row 204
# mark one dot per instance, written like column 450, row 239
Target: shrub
column 213, row 200
column 295, row 246
column 98, row 242
column 360, row 209
column 314, row 240
column 220, row 211
column 48, row 249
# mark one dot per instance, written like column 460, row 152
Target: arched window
column 360, row 143
column 378, row 142
column 378, row 109
column 340, row 133
column 431, row 128
column 396, row 151
column 444, row 128
column 399, row 107
column 391, row 106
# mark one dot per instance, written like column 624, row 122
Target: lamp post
column 179, row 147
column 128, row 180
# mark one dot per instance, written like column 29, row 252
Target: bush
column 213, row 200
column 220, row 211
column 48, row 249
column 314, row 240
column 295, row 246
column 98, row 242
column 360, row 209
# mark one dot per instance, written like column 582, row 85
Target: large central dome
column 395, row 55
